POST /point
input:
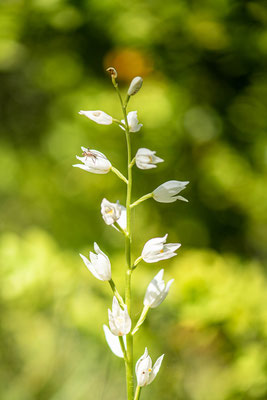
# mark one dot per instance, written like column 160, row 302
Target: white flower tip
column 82, row 256
column 96, row 247
column 159, row 275
column 169, row 285
column 115, row 303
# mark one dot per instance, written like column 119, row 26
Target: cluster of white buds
column 121, row 329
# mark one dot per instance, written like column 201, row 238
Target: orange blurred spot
column 128, row 63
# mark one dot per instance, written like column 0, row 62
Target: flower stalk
column 119, row 174
column 141, row 319
column 143, row 198
column 137, row 393
column 128, row 243
column 116, row 293
column 119, row 334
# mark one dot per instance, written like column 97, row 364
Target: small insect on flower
column 93, row 161
column 88, row 153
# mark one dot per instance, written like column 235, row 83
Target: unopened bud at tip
column 135, row 85
column 113, row 73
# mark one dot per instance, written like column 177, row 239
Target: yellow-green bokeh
column 203, row 106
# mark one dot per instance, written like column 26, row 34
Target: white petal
column 113, row 342
column 140, row 359
column 155, row 369
column 154, row 245
column 91, row 267
column 116, row 310
column 100, row 117
column 82, row 166
column 122, row 221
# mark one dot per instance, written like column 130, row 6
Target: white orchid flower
column 119, row 320
column 145, row 373
column 133, row 122
column 157, row 291
column 167, row 192
column 156, row 250
column 99, row 264
column 114, row 342
column 146, row 159
column 100, row 117
column 111, row 212
column 93, row 161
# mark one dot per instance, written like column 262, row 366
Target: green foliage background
column 203, row 105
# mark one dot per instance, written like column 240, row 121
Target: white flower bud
column 133, row 122
column 100, row 117
column 156, row 250
column 167, row 192
column 111, row 212
column 146, row 159
column 93, row 161
column 119, row 320
column 113, row 73
column 99, row 264
column 145, row 373
column 157, row 291
column 135, row 86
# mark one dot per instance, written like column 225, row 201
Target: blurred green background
column 204, row 109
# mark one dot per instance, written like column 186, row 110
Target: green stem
column 137, row 261
column 116, row 86
column 116, row 293
column 143, row 198
column 123, row 347
column 132, row 162
column 117, row 121
column 119, row 174
column 127, row 100
column 137, row 393
column 141, row 319
column 119, row 228
column 128, row 242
